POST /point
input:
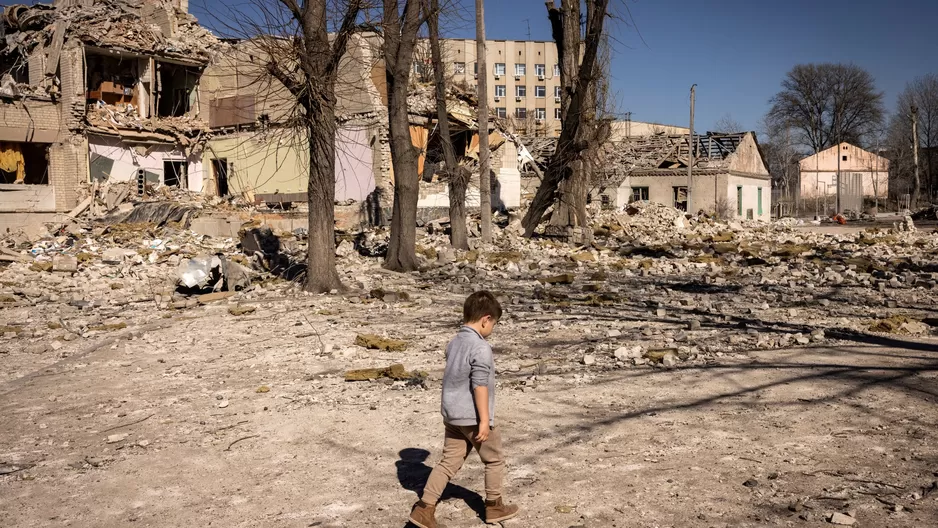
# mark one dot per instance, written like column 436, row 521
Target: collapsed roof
column 655, row 154
column 146, row 27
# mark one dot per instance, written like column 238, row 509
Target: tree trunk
column 485, row 180
column 917, row 184
column 457, row 180
column 400, row 37
column 578, row 116
column 321, row 275
column 458, row 183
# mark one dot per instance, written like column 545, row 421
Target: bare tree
column 922, row 93
column 828, row 104
column 400, row 38
column 291, row 44
column 566, row 180
column 782, row 157
column 456, row 176
column 727, row 125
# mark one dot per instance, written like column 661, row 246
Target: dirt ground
column 202, row 418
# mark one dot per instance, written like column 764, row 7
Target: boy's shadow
column 413, row 474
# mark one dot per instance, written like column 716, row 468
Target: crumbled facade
column 729, row 176
column 100, row 91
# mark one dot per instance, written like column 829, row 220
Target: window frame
column 497, row 66
column 521, row 69
column 504, row 90
column 521, row 110
column 521, row 90
column 540, row 91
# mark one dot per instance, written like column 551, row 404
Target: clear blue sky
column 736, row 51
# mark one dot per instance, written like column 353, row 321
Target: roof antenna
column 528, row 21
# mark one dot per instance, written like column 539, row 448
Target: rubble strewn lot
column 676, row 372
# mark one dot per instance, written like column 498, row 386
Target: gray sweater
column 469, row 364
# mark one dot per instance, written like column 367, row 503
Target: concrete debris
column 841, row 519
column 394, row 372
column 380, row 343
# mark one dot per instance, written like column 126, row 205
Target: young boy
column 469, row 414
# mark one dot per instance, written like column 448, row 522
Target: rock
column 240, row 310
column 380, row 343
column 802, row 340
column 589, row 360
column 564, row 278
column 65, row 264
column 751, row 483
column 817, row 335
column 624, row 353
column 841, row 519
column 614, row 333
column 114, row 256
column 222, row 404
column 693, row 324
column 661, row 312
column 735, row 226
column 344, row 249
column 670, row 359
column 115, row 438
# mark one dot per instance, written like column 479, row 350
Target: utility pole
column 485, row 184
column 690, row 143
column 839, row 155
column 913, row 202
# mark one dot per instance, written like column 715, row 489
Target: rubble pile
column 656, row 287
column 116, row 24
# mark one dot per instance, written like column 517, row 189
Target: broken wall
column 270, row 163
column 115, row 160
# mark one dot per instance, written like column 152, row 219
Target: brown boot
column 497, row 511
column 423, row 515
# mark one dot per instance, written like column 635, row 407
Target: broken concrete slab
column 65, row 263
column 376, row 342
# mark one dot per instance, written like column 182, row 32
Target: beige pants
column 457, row 444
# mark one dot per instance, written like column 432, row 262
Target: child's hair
column 480, row 304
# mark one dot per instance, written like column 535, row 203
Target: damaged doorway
column 680, row 198
column 220, row 172
column 175, row 173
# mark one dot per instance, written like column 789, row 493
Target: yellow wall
column 257, row 166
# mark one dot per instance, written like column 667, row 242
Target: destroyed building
column 730, row 176
column 257, row 150
column 100, row 91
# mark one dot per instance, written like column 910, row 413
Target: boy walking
column 468, row 409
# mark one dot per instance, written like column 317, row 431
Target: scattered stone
column 223, row 404
column 564, row 278
column 394, row 372
column 376, row 342
column 115, row 438
column 841, row 519
column 239, row 310
column 751, row 483
column 65, row 264
column 589, row 360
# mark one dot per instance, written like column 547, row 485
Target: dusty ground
column 167, row 422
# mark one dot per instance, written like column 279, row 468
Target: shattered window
column 540, row 70
column 521, row 113
column 499, row 68
column 499, row 90
column 521, row 91
column 540, row 92
column 639, row 194
column 459, row 68
column 520, row 70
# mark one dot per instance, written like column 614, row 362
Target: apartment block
column 523, row 79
